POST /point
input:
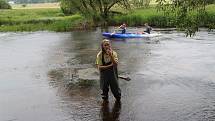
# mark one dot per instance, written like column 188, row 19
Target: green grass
column 37, row 19
column 15, row 16
column 157, row 18
column 53, row 19
column 140, row 16
column 64, row 24
column 211, row 8
column 210, row 19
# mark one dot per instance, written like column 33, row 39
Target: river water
column 172, row 77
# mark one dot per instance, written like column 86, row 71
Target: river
column 172, row 77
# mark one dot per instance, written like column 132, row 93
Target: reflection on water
column 108, row 114
column 172, row 77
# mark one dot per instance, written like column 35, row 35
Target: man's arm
column 100, row 67
column 113, row 57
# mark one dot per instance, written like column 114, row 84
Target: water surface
column 172, row 77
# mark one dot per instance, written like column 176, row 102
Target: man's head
column 105, row 45
column 146, row 24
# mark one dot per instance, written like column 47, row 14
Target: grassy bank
column 53, row 19
column 38, row 19
column 140, row 16
column 156, row 18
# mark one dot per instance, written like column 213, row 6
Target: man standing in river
column 106, row 63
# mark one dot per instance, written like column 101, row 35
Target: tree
column 67, row 7
column 4, row 5
column 140, row 3
column 210, row 1
column 189, row 14
column 95, row 9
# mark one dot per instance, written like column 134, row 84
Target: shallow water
column 172, row 77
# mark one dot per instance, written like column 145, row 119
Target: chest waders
column 109, row 77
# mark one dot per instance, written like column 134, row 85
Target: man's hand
column 109, row 52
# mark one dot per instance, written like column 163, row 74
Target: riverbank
column 53, row 19
column 157, row 18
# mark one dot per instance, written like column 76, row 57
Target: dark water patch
column 70, row 78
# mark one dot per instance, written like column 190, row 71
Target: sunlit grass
column 36, row 6
column 157, row 18
column 53, row 19
column 211, row 8
column 16, row 16
column 37, row 19
column 65, row 24
column 140, row 16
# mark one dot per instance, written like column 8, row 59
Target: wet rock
column 84, row 77
column 88, row 74
column 92, row 74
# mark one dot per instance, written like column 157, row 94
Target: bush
column 4, row 5
column 24, row 5
column 66, row 8
column 210, row 1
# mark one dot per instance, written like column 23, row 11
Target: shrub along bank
column 53, row 19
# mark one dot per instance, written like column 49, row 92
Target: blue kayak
column 126, row 35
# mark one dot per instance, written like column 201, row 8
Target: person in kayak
column 148, row 28
column 123, row 28
column 106, row 62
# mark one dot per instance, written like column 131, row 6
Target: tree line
column 182, row 10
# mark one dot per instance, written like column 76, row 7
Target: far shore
column 49, row 17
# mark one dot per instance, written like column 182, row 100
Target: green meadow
column 52, row 19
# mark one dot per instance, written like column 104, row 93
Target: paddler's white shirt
column 107, row 58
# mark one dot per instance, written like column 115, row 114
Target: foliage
column 189, row 14
column 4, row 5
column 210, row 1
column 140, row 3
column 34, row 1
column 53, row 19
column 139, row 17
column 67, row 8
column 156, row 18
column 24, row 5
column 98, row 10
